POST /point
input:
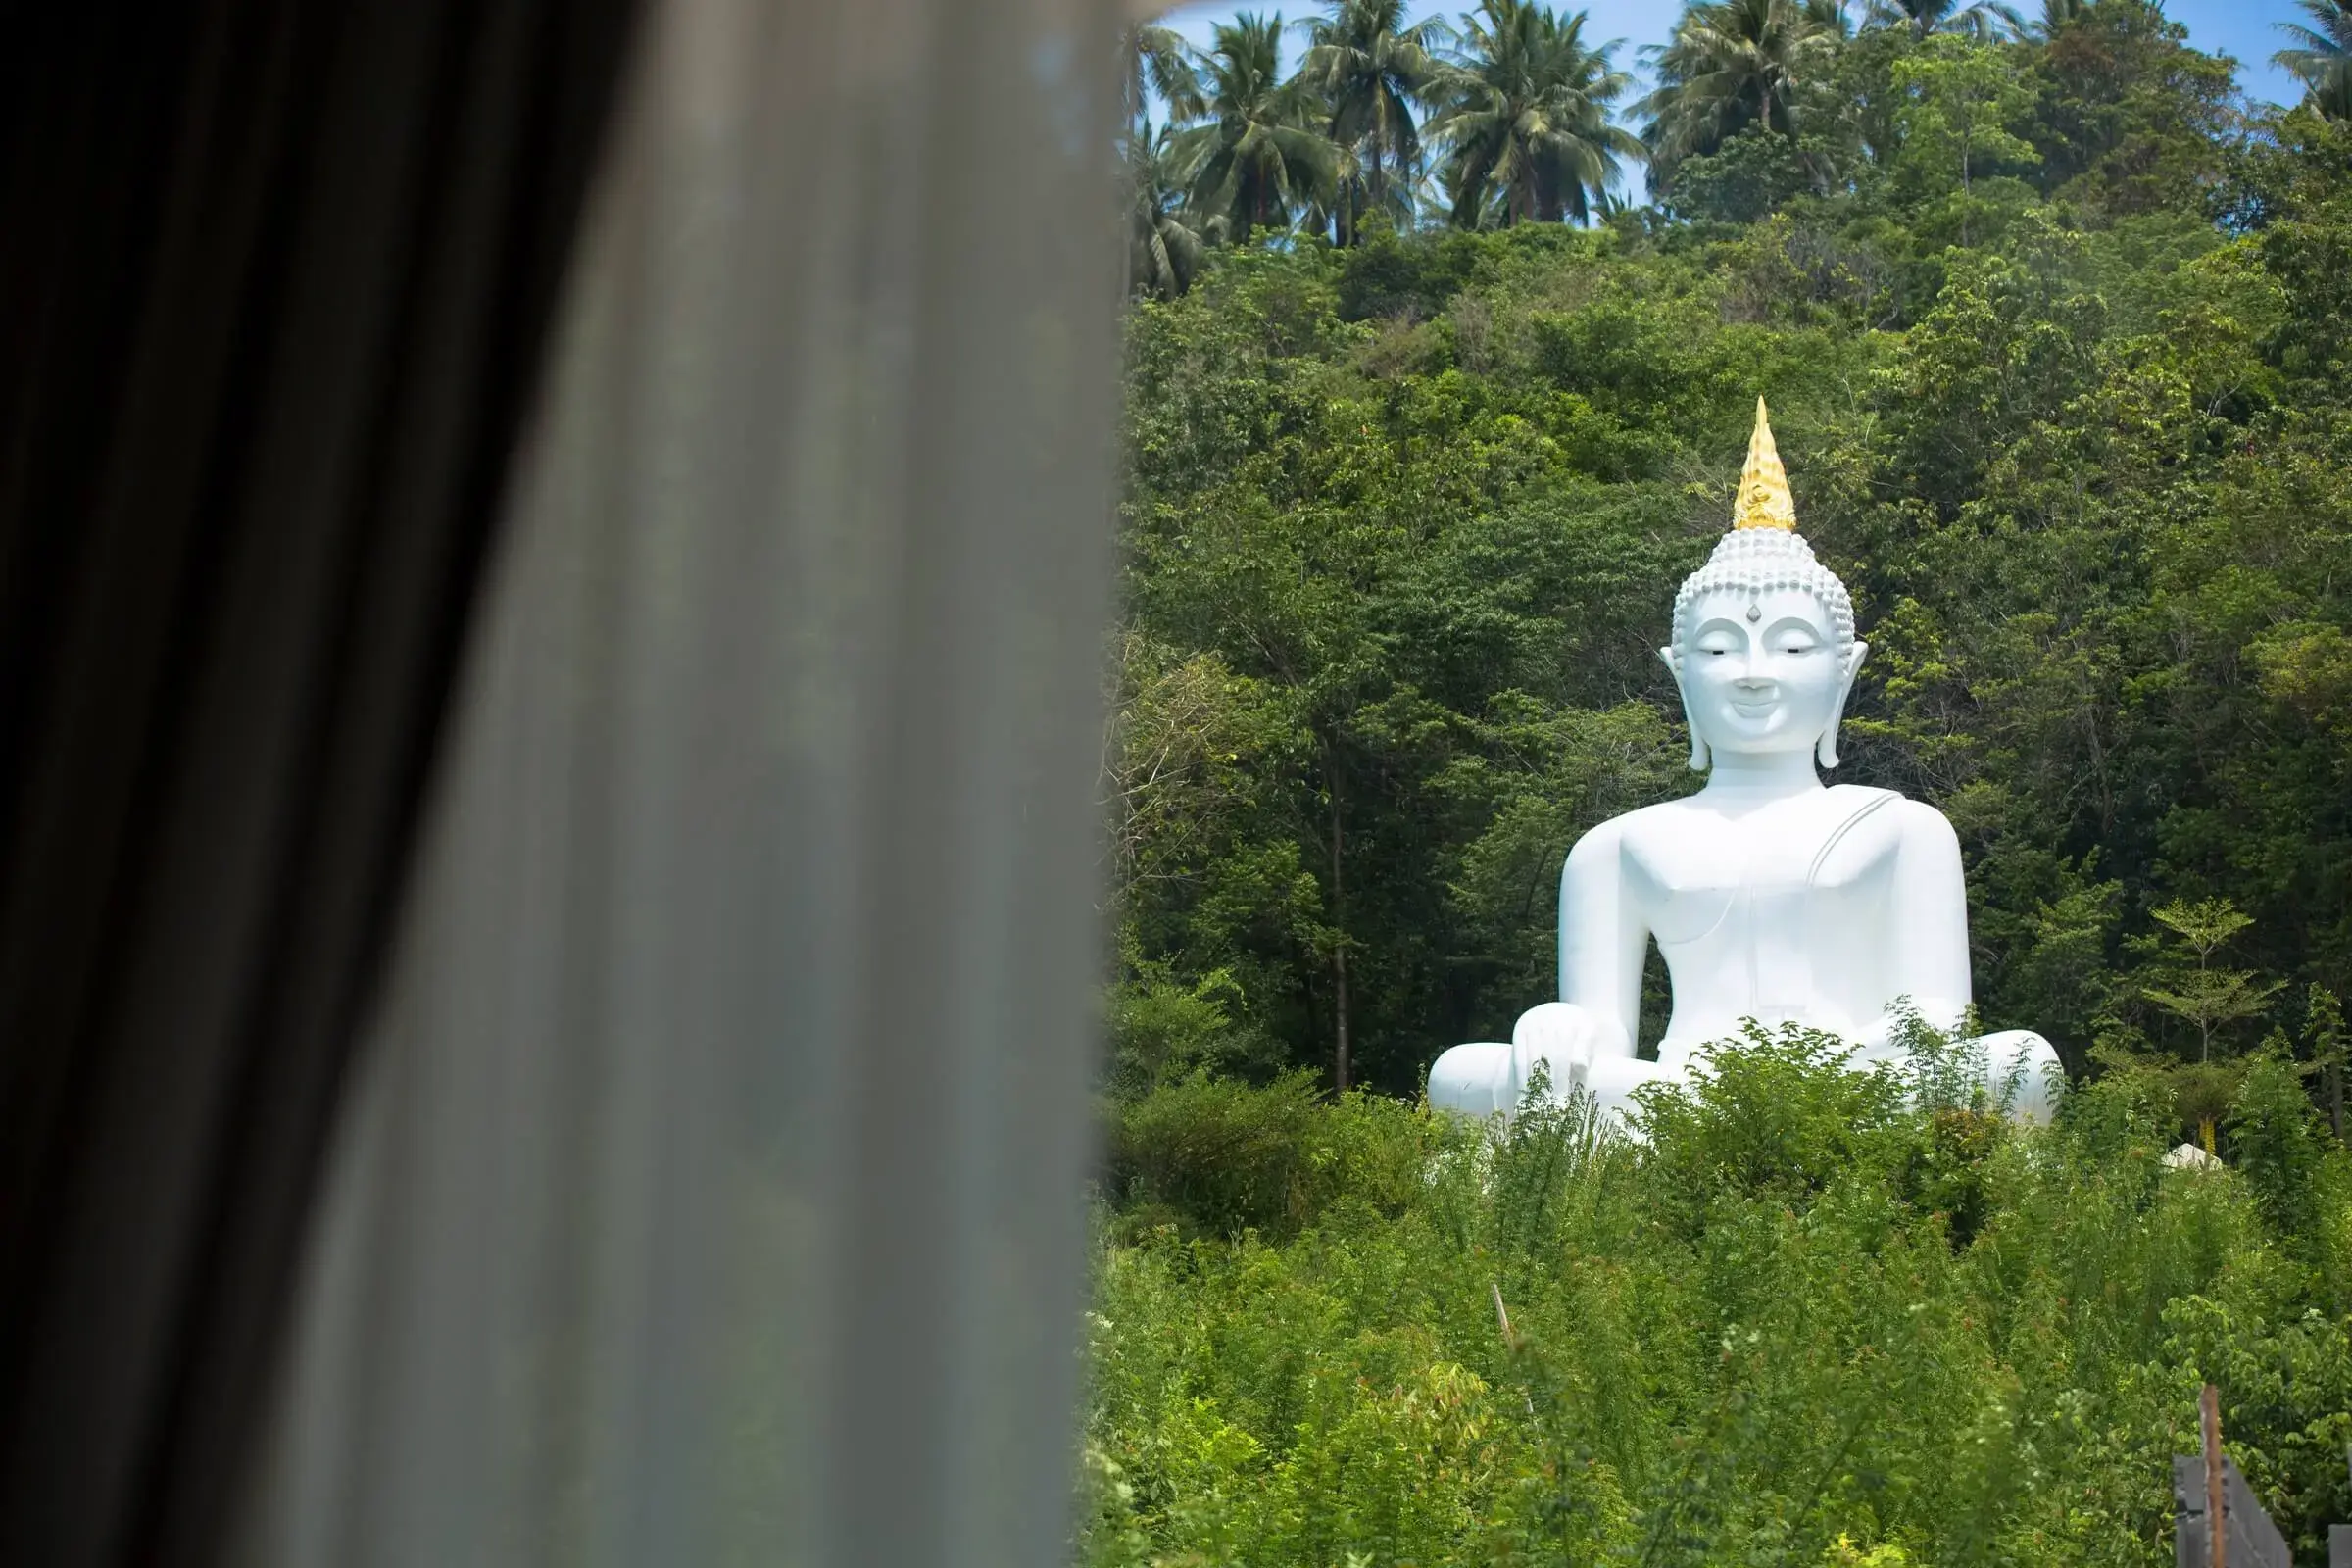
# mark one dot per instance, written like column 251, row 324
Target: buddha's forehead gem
column 1755, row 612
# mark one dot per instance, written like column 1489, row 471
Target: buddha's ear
column 1825, row 749
column 1700, row 761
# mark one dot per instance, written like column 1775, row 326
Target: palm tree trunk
column 1127, row 263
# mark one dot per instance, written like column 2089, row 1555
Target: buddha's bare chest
column 1788, row 876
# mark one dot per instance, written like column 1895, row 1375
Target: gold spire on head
column 1764, row 501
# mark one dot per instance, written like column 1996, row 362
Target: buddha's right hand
column 1487, row 1077
column 1560, row 1036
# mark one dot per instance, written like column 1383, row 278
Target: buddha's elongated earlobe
column 1825, row 749
column 1700, row 761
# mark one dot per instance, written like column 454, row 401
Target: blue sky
column 2243, row 28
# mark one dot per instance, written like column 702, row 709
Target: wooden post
column 2217, row 1527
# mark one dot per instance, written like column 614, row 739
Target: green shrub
column 1773, row 1116
column 2274, row 1139
column 1162, row 1031
column 1220, row 1156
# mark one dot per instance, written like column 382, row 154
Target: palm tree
column 1259, row 153
column 1979, row 19
column 1732, row 63
column 2323, row 57
column 2056, row 17
column 1369, row 67
column 1523, row 112
column 1830, row 16
column 1163, row 247
column 1158, row 60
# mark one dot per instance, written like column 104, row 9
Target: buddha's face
column 1762, row 672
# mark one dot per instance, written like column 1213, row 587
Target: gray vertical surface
column 713, row 1191
column 2254, row 1541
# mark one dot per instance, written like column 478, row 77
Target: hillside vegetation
column 2056, row 344
column 2055, row 335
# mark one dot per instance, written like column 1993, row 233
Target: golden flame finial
column 1764, row 501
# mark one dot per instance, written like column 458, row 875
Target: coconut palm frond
column 1523, row 116
column 1729, row 65
column 2321, row 56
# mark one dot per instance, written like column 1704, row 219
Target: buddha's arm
column 1603, row 941
column 1929, row 944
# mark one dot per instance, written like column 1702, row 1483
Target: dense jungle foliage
column 2056, row 334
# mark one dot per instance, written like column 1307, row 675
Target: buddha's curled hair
column 1754, row 560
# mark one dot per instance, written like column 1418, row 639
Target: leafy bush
column 1218, row 1156
column 1162, row 1030
column 2275, row 1138
column 1772, row 1116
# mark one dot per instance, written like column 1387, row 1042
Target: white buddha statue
column 1771, row 897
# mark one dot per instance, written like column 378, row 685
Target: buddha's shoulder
column 1891, row 821
column 1644, row 824
column 1920, row 824
column 1894, row 806
column 1659, row 815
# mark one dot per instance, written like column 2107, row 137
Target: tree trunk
column 1338, row 947
column 1965, row 190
